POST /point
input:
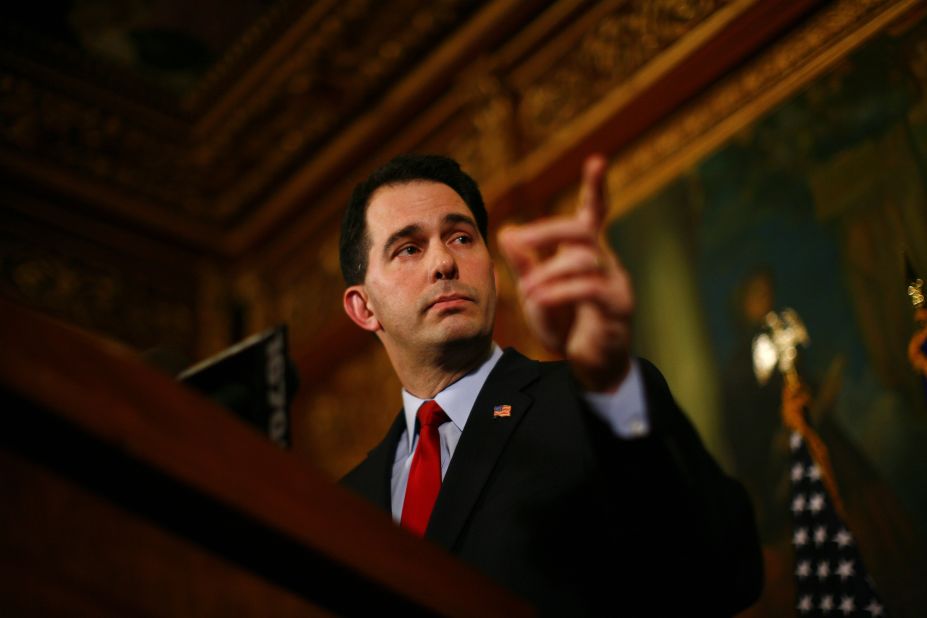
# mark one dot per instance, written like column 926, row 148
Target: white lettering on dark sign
column 276, row 389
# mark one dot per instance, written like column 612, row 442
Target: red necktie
column 425, row 474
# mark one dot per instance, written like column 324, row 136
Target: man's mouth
column 446, row 301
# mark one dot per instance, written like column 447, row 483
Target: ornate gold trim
column 734, row 103
column 581, row 127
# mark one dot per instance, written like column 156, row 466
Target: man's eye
column 463, row 239
column 408, row 250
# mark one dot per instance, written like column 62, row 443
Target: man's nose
column 445, row 266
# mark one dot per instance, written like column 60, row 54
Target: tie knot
column 431, row 414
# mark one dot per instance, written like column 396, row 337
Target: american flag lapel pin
column 501, row 411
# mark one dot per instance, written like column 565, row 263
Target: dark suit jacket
column 549, row 503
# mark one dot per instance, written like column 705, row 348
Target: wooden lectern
column 122, row 493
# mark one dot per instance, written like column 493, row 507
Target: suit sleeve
column 701, row 546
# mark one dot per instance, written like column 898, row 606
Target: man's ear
column 355, row 305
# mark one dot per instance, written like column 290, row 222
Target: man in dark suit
column 579, row 484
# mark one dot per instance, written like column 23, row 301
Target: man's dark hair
column 355, row 241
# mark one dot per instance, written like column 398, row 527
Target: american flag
column 501, row 411
column 829, row 573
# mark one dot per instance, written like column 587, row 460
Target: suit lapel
column 481, row 444
column 376, row 485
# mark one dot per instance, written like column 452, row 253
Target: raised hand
column 575, row 294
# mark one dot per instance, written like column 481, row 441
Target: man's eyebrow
column 459, row 218
column 406, row 232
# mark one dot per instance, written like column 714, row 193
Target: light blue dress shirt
column 625, row 411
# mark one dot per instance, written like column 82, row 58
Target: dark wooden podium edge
column 92, row 412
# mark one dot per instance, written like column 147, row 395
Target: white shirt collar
column 456, row 400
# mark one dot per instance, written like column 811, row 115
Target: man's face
column 429, row 280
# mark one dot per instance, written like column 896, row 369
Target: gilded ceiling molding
column 742, row 98
column 100, row 154
column 317, row 90
column 489, row 142
column 617, row 45
column 605, row 70
column 212, row 177
column 270, row 38
column 414, row 91
column 551, row 76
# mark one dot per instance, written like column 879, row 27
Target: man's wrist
column 605, row 380
column 625, row 409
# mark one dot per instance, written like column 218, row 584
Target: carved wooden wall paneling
column 338, row 422
column 138, row 301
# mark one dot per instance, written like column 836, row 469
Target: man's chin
column 453, row 333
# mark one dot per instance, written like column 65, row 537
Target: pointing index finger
column 592, row 202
